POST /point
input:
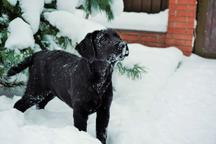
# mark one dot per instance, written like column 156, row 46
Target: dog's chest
column 97, row 98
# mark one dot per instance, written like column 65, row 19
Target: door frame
column 202, row 14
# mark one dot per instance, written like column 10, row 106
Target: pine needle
column 132, row 73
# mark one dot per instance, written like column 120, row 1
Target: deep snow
column 31, row 11
column 21, row 35
column 173, row 103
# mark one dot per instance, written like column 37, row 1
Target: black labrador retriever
column 84, row 83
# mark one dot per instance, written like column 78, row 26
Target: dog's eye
column 106, row 35
column 105, row 38
column 116, row 35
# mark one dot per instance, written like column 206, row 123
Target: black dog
column 84, row 83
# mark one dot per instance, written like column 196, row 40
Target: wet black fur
column 84, row 83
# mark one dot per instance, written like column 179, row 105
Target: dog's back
column 62, row 73
column 56, row 72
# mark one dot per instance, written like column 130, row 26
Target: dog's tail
column 20, row 67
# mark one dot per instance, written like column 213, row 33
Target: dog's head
column 104, row 45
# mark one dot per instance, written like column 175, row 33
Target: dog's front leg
column 80, row 119
column 102, row 121
column 103, row 115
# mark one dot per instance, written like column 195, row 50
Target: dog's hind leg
column 27, row 101
column 44, row 102
column 30, row 98
column 23, row 104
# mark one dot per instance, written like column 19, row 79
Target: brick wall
column 182, row 15
column 154, row 39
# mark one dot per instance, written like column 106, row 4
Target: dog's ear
column 86, row 47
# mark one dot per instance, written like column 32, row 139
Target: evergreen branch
column 12, row 11
column 3, row 37
column 5, row 83
column 46, row 29
column 133, row 73
column 10, row 58
column 101, row 5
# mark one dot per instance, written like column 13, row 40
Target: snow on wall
column 67, row 5
column 21, row 35
column 72, row 26
column 32, row 10
column 117, row 7
column 136, row 21
column 132, row 20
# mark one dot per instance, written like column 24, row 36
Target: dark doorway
column 205, row 43
column 149, row 6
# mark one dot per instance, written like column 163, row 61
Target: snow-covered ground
column 173, row 103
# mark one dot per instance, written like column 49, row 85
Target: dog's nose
column 126, row 50
column 122, row 44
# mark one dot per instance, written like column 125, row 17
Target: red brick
column 184, row 25
column 187, row 53
column 173, row 30
column 185, row 7
column 153, row 39
column 178, row 42
column 191, row 20
column 192, row 2
column 124, row 32
column 149, row 39
column 182, row 13
column 178, row 19
column 152, row 34
column 183, row 37
column 130, row 37
column 186, row 48
column 181, row 25
column 161, row 45
column 173, row 2
column 180, row 36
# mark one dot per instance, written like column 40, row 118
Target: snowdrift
column 173, row 103
column 72, row 26
column 55, row 124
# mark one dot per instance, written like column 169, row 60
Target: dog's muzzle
column 120, row 56
column 125, row 50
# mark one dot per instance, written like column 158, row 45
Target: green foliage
column 4, row 82
column 50, row 34
column 133, row 73
column 7, row 9
column 101, row 5
column 13, row 57
column 3, row 37
column 8, row 59
column 3, row 20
